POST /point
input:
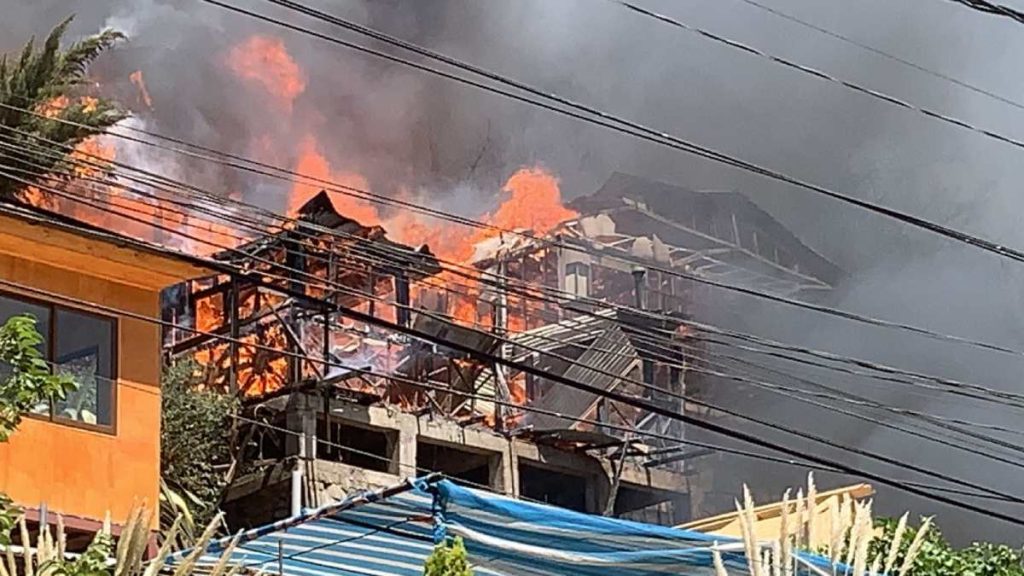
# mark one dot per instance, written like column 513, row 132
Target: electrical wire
column 945, row 118
column 677, row 441
column 354, row 192
column 713, row 373
column 717, row 374
column 942, row 382
column 993, row 8
column 887, row 55
column 640, row 403
column 607, row 120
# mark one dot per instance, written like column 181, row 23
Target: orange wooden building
column 95, row 295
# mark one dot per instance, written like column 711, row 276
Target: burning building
column 350, row 342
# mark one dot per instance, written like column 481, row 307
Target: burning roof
column 321, row 229
column 722, row 236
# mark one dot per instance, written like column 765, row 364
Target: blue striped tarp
column 394, row 535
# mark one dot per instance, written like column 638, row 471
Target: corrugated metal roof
column 394, row 534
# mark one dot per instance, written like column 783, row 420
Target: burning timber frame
column 286, row 305
column 331, row 289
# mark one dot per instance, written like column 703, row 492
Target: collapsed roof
column 721, row 236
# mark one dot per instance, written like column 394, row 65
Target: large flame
column 533, row 204
column 264, row 61
column 313, row 164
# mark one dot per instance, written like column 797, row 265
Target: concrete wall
column 330, row 481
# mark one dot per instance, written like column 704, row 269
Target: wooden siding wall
column 80, row 472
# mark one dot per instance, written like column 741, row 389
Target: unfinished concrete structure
column 375, row 446
column 356, row 377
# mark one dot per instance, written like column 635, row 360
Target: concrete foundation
column 401, row 445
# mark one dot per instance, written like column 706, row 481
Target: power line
column 887, row 55
column 648, row 338
column 726, row 411
column 604, row 119
column 717, row 374
column 858, row 415
column 993, row 8
column 839, row 467
column 668, row 413
column 818, row 74
column 710, row 426
column 275, row 172
column 680, row 443
column 726, row 333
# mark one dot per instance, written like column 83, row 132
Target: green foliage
column 27, row 381
column 92, row 562
column 939, row 558
column 195, row 437
column 8, row 518
column 448, row 559
column 32, row 81
column 124, row 557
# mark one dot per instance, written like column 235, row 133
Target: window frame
column 51, row 347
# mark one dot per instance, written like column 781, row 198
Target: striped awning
column 393, row 532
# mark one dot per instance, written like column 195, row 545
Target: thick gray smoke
column 405, row 131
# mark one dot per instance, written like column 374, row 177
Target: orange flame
column 534, row 203
column 264, row 61
column 140, row 84
column 312, row 163
column 53, row 107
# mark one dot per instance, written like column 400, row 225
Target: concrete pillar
column 404, row 463
column 505, row 470
column 302, row 413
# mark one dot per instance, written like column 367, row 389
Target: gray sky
column 406, row 132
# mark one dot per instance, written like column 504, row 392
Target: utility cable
column 682, row 417
column 677, row 365
column 993, row 8
column 677, row 23
column 355, row 192
column 887, row 55
column 868, row 365
column 710, row 426
column 615, row 123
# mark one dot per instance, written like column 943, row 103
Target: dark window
column 80, row 344
column 548, row 486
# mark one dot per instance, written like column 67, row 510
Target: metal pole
column 501, row 329
column 233, row 296
column 296, row 500
column 647, row 366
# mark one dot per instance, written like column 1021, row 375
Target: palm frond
column 76, row 59
column 32, row 84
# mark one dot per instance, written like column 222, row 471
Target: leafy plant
column 36, row 92
column 106, row 557
column 448, row 559
column 195, row 437
column 25, row 382
column 27, row 378
column 938, row 558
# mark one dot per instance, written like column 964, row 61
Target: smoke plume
column 402, row 132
